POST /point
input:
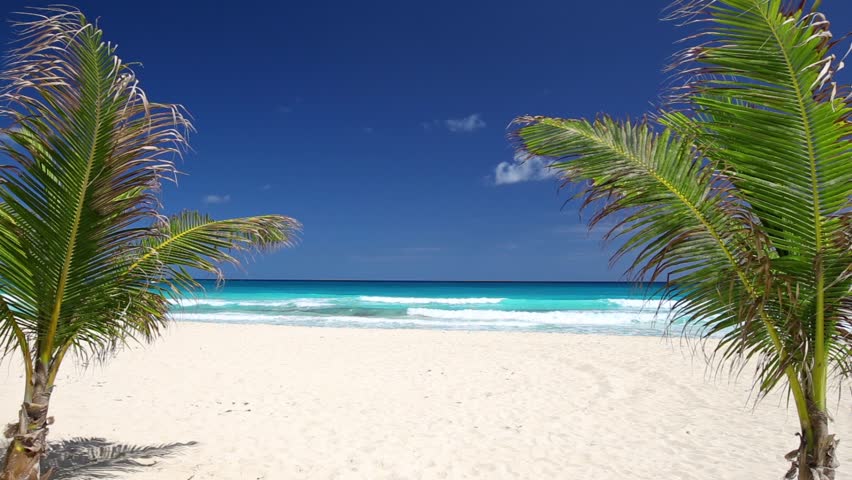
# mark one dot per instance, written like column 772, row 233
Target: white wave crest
column 564, row 317
column 310, row 302
column 295, row 302
column 230, row 317
column 225, row 317
column 425, row 300
column 642, row 304
column 191, row 302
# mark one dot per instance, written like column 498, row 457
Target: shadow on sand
column 96, row 458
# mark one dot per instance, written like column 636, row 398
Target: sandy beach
column 274, row 402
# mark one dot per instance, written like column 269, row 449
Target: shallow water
column 612, row 308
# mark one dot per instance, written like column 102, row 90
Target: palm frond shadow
column 96, row 458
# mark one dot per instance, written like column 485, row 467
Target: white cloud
column 265, row 187
column 214, row 199
column 523, row 169
column 466, row 124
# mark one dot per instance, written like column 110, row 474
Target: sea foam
column 229, row 317
column 562, row 317
column 295, row 302
column 426, row 300
column 643, row 304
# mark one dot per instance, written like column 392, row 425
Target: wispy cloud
column 284, row 109
column 456, row 125
column 265, row 187
column 216, row 199
column 368, row 130
column 523, row 169
column 467, row 124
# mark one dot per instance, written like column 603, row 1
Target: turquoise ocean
column 611, row 308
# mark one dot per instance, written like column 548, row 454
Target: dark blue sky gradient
column 337, row 113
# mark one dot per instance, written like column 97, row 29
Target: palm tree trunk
column 29, row 435
column 817, row 461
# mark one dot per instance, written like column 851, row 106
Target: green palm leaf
column 85, row 254
column 86, row 259
column 764, row 98
column 91, row 151
column 191, row 240
column 742, row 200
column 677, row 217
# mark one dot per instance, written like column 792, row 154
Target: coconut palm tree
column 738, row 196
column 87, row 261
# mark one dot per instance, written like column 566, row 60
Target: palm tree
column 87, row 262
column 738, row 196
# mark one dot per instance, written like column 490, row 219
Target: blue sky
column 382, row 125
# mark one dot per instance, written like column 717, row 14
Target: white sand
column 269, row 402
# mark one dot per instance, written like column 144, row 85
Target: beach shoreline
column 269, row 401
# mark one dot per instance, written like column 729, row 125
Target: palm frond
column 765, row 106
column 90, row 151
column 679, row 218
column 86, row 259
column 191, row 241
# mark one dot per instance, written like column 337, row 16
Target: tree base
column 821, row 464
column 23, row 462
